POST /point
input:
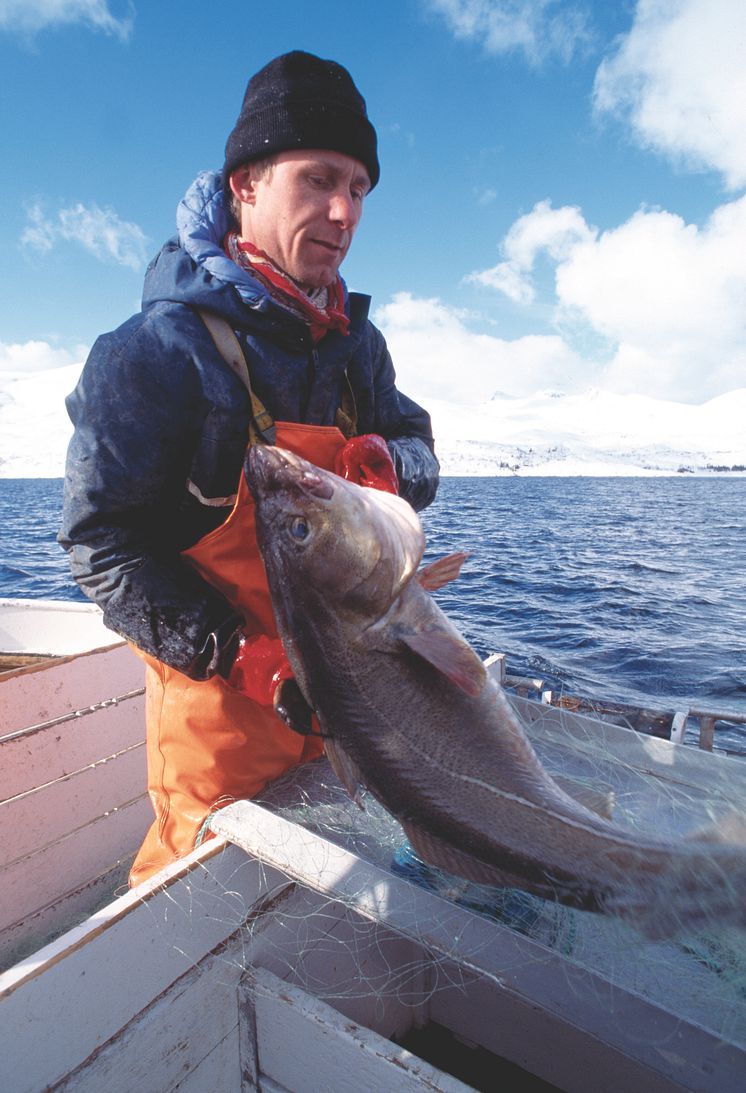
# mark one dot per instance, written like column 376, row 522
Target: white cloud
column 437, row 356
column 486, row 196
column 99, row 231
column 30, row 16
column 679, row 76
column 37, row 356
column 672, row 297
column 555, row 231
column 507, row 278
column 668, row 298
column 503, row 26
column 33, row 406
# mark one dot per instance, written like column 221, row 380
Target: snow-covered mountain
column 592, row 433
column 34, row 426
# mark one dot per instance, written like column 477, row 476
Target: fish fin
column 451, row 860
column 292, row 708
column 730, row 830
column 450, row 655
column 441, row 572
column 599, row 801
column 345, row 769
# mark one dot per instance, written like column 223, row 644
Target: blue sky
column 561, row 200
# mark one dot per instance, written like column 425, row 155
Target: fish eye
column 299, row 528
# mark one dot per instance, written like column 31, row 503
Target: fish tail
column 691, row 894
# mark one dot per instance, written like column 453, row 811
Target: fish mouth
column 270, row 470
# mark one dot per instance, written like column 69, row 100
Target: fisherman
column 247, row 334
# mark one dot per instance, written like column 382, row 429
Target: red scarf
column 328, row 314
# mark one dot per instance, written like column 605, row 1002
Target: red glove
column 366, row 461
column 259, row 667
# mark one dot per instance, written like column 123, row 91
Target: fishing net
column 700, row 975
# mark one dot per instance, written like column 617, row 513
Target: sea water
column 626, row 589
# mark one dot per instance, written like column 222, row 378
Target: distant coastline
column 590, row 434
column 571, row 471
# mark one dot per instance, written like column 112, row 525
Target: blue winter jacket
column 161, row 426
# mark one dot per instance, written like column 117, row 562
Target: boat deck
column 304, row 919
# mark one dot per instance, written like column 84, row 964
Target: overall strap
column 261, row 426
column 346, row 416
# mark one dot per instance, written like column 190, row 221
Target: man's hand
column 259, row 667
column 366, row 461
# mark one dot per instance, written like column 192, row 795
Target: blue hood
column 192, row 268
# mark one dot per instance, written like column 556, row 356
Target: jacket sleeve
column 407, row 430
column 135, row 410
column 417, row 469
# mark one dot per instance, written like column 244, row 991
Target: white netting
column 698, row 975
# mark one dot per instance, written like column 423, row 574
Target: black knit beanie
column 301, row 101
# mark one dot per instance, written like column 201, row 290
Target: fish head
column 324, row 538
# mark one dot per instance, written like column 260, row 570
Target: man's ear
column 243, row 184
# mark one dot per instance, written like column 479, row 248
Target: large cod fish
column 409, row 712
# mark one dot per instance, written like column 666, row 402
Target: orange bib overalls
column 207, row 744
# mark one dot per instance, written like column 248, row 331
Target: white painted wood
column 31, row 883
column 218, row 1072
column 193, row 1021
column 32, row 696
column 611, row 752
column 80, row 991
column 73, row 802
column 32, row 758
column 706, row 718
column 68, row 804
column 495, row 665
column 304, row 1045
column 523, row 1001
column 183, row 1029
column 678, row 726
column 268, row 1086
column 39, row 927
column 625, row 1024
column 617, row 742
column 65, row 998
column 374, row 975
column 52, row 627
column 550, row 1047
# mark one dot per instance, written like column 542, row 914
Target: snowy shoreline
column 592, row 433
column 584, row 470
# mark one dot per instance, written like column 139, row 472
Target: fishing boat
column 302, row 946
column 38, row 631
column 73, row 804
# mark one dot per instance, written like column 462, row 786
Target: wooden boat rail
column 9, row 662
column 202, row 975
column 664, row 723
column 73, row 790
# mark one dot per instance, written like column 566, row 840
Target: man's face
column 303, row 213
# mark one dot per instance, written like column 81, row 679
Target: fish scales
column 410, row 713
